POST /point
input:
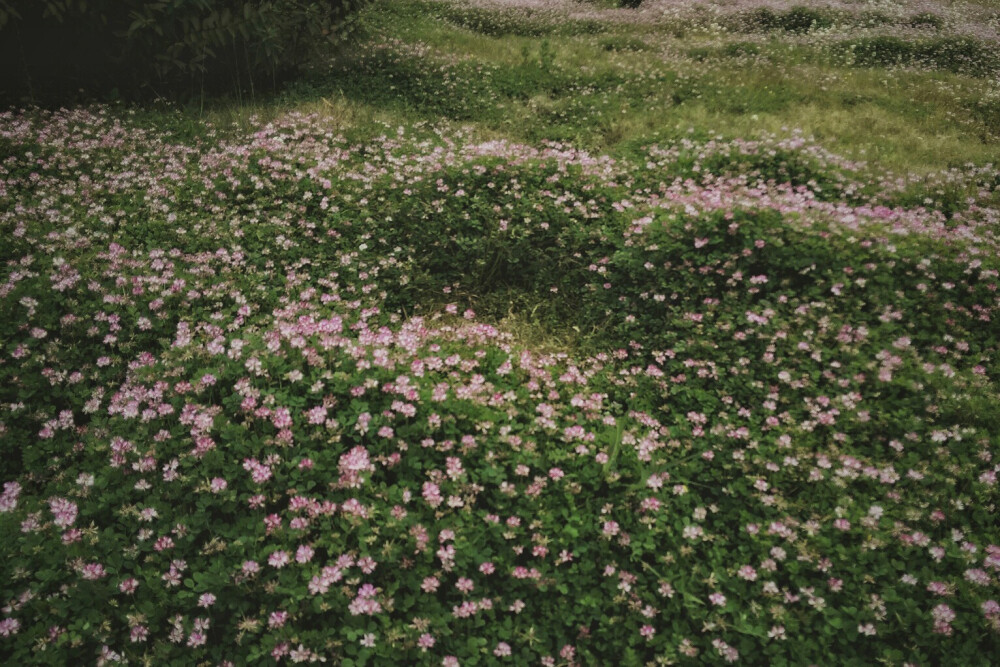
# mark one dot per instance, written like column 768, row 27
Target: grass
column 632, row 85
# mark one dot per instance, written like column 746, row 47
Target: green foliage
column 962, row 55
column 803, row 19
column 566, row 98
column 250, row 403
column 739, row 49
column 622, row 43
column 797, row 20
column 54, row 46
column 987, row 111
column 927, row 20
column 730, row 50
column 638, row 96
column 747, row 411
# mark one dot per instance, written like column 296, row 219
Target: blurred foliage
column 143, row 47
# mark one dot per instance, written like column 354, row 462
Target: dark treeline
column 54, row 51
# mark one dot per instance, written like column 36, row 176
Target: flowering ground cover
column 309, row 390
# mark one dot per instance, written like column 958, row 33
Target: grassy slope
column 643, row 83
column 615, row 88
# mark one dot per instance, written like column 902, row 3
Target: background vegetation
column 53, row 48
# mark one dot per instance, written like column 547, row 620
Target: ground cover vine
column 250, row 414
column 294, row 391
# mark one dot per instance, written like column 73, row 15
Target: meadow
column 517, row 332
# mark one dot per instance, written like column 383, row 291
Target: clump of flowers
column 237, row 429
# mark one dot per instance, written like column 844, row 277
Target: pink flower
column 64, row 512
column 502, row 650
column 453, row 467
column 9, row 626
column 728, row 653
column 718, row 599
column 281, row 418
column 278, row 559
column 8, row 499
column 272, row 522
column 425, row 641
column 317, row 415
column 938, row 588
column 206, row 600
column 432, row 494
column 92, row 571
column 942, row 613
column 521, row 572
column 365, row 602
column 352, row 464
column 977, row 576
column 128, row 585
column 259, row 473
